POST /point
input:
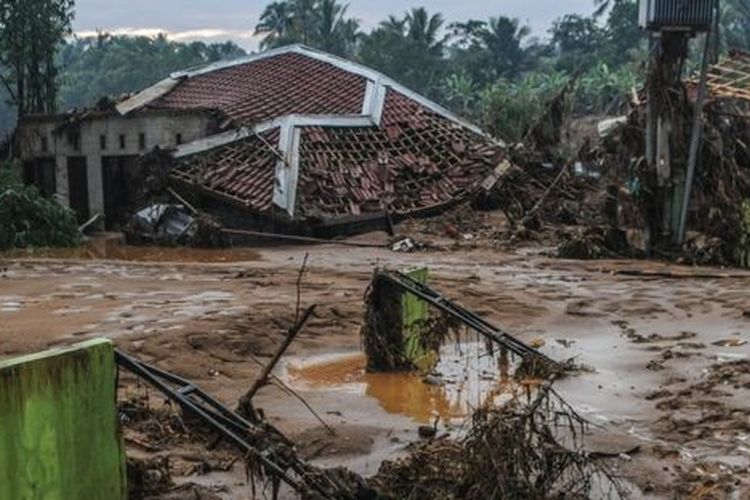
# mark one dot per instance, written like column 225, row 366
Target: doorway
column 123, row 182
column 78, row 187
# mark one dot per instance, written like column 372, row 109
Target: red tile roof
column 242, row 171
column 415, row 156
column 268, row 88
column 415, row 160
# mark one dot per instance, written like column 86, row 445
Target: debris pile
column 532, row 447
column 153, row 430
column 167, row 225
column 536, row 196
column 718, row 220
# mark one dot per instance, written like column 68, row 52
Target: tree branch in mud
column 291, row 334
column 245, row 406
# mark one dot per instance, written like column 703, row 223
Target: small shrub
column 28, row 219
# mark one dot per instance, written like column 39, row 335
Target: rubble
column 717, row 221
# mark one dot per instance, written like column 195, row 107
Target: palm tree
column 423, row 28
column 335, row 33
column 503, row 38
column 318, row 23
column 394, row 26
column 275, row 24
column 305, row 17
column 408, row 48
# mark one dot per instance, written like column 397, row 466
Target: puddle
column 108, row 248
column 469, row 378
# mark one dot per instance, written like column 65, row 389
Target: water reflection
column 468, row 377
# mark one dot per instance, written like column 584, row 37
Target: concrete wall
column 160, row 129
column 415, row 313
column 59, row 437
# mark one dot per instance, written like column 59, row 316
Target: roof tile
column 268, row 88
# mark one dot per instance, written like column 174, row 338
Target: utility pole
column 671, row 25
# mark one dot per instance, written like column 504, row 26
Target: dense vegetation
column 112, row 65
column 490, row 70
column 91, row 68
column 28, row 219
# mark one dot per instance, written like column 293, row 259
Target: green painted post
column 414, row 313
column 59, row 435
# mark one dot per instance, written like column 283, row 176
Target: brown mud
column 667, row 349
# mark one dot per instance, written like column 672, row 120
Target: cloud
column 219, row 20
column 244, row 38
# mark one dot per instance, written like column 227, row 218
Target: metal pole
column 695, row 139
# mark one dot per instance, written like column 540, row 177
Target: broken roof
column 730, row 78
column 319, row 136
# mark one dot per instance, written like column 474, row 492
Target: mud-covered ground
column 666, row 345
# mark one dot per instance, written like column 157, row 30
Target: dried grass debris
column 532, row 447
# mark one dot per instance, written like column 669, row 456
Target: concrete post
column 59, row 435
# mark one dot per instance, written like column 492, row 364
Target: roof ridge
column 160, row 89
column 238, row 61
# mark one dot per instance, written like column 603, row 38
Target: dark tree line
column 491, row 70
column 108, row 65
column 30, row 33
column 91, row 68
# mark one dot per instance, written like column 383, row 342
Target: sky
column 219, row 20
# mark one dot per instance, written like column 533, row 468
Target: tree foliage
column 410, row 49
column 735, row 24
column 509, row 108
column 322, row 24
column 488, row 50
column 489, row 70
column 28, row 219
column 108, row 65
column 577, row 40
column 30, row 33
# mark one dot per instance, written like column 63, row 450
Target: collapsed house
column 292, row 139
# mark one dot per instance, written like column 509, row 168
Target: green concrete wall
column 59, row 435
column 415, row 313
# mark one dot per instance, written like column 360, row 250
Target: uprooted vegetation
column 29, row 219
column 718, row 217
column 531, row 447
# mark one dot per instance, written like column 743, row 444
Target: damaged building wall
column 293, row 136
column 78, row 156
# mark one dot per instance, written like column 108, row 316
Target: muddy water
column 109, row 248
column 466, row 377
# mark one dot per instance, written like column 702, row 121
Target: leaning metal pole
column 695, row 139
